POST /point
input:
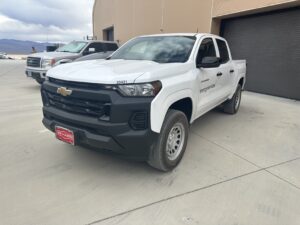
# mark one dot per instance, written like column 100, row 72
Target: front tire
column 172, row 141
column 232, row 106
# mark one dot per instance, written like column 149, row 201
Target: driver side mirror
column 209, row 62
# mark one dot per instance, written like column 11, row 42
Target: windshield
column 73, row 47
column 161, row 49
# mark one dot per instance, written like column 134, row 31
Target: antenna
column 162, row 16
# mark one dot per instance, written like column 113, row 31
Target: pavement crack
column 205, row 187
column 282, row 163
column 172, row 197
column 262, row 168
column 282, row 179
column 227, row 150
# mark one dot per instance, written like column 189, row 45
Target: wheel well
column 184, row 105
column 241, row 82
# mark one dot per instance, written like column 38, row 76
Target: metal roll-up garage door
column 270, row 43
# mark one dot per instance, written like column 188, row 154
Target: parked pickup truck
column 39, row 63
column 140, row 101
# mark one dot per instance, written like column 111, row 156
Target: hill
column 11, row 46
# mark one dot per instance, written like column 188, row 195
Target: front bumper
column 36, row 74
column 115, row 133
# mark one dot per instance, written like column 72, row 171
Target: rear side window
column 224, row 54
column 207, row 49
column 111, row 47
column 97, row 46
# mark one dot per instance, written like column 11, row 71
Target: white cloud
column 52, row 20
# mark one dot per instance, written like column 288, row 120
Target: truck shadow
column 115, row 164
column 107, row 163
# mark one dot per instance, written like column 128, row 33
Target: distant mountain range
column 11, row 46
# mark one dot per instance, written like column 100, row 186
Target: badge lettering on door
column 207, row 88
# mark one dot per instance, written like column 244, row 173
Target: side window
column 97, row 46
column 207, row 49
column 111, row 47
column 224, row 54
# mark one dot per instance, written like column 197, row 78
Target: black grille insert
column 33, row 62
column 91, row 108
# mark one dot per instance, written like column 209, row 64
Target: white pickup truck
column 140, row 101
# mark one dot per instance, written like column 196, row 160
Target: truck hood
column 104, row 71
column 55, row 55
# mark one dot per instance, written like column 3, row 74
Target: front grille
column 90, row 108
column 33, row 62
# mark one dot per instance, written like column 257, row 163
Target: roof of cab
column 101, row 41
column 181, row 34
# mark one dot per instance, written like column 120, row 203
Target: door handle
column 219, row 74
column 231, row 71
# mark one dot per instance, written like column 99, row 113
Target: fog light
column 139, row 121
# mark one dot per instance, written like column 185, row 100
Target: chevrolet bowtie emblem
column 64, row 91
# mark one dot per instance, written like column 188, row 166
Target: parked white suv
column 141, row 101
column 39, row 63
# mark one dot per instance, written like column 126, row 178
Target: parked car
column 3, row 55
column 141, row 100
column 39, row 63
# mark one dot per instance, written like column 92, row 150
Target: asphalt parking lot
column 237, row 170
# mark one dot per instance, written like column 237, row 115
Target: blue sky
column 42, row 20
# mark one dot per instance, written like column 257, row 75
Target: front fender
column 161, row 104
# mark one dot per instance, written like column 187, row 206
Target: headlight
column 140, row 90
column 48, row 63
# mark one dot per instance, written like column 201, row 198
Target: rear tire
column 172, row 141
column 232, row 106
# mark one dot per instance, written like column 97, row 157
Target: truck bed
column 240, row 66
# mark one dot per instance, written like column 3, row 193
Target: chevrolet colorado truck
column 140, row 101
column 39, row 63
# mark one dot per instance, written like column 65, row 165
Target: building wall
column 137, row 17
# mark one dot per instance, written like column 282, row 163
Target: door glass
column 207, row 49
column 224, row 55
column 111, row 47
column 97, row 46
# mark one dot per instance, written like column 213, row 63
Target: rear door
column 225, row 73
